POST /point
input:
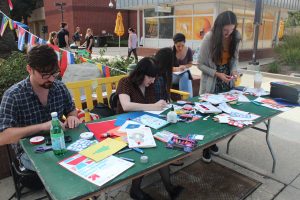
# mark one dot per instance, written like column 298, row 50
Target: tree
column 293, row 18
column 23, row 9
column 7, row 42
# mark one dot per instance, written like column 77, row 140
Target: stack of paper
column 206, row 107
column 140, row 138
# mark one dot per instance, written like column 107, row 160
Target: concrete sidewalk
column 249, row 154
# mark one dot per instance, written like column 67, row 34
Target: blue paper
column 121, row 119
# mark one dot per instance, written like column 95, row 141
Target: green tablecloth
column 62, row 184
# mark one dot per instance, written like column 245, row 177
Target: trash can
column 96, row 41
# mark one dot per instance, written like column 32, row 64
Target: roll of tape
column 87, row 135
column 144, row 159
column 37, row 140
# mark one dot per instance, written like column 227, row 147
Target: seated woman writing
column 137, row 93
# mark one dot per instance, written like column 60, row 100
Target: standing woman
column 218, row 61
column 183, row 58
column 89, row 39
column 132, row 43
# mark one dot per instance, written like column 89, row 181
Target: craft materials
column 141, row 138
column 80, row 145
column 37, row 140
column 138, row 150
column 98, row 128
column 151, row 121
column 144, row 159
column 125, row 150
column 87, row 135
column 128, row 159
column 163, row 135
column 42, row 149
column 172, row 116
column 182, row 143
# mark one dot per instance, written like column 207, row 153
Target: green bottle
column 57, row 136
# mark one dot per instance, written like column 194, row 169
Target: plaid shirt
column 21, row 107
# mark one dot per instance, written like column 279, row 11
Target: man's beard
column 47, row 85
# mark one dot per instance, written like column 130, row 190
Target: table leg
column 269, row 144
column 228, row 143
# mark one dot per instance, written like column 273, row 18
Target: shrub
column 13, row 70
column 274, row 67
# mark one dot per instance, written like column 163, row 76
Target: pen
column 123, row 151
column 255, row 103
column 128, row 159
column 138, row 150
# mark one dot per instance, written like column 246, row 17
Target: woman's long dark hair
column 165, row 62
column 146, row 66
column 178, row 37
column 216, row 47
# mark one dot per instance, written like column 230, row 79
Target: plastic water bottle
column 57, row 136
column 258, row 80
column 172, row 116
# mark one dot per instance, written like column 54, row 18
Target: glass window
column 184, row 10
column 166, row 28
column 202, row 25
column 184, row 25
column 167, row 14
column 151, row 28
column 150, row 12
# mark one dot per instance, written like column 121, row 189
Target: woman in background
column 218, row 61
column 183, row 58
column 53, row 38
column 89, row 40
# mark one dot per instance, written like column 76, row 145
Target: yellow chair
column 88, row 87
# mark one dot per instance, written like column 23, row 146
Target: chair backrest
column 82, row 91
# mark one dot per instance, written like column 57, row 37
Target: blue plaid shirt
column 21, row 107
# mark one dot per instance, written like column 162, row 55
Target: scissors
column 42, row 149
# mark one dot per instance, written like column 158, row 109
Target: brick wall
column 92, row 14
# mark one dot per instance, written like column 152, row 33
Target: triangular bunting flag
column 31, row 40
column 3, row 25
column 10, row 22
column 21, row 38
column 107, row 71
column 63, row 62
column 99, row 67
column 71, row 58
column 11, row 7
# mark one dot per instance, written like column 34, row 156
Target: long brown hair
column 216, row 47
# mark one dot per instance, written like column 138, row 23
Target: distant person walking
column 89, row 40
column 63, row 36
column 77, row 36
column 132, row 43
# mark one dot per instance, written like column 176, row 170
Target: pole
column 257, row 22
column 120, row 44
column 62, row 13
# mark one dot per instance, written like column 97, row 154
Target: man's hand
column 71, row 122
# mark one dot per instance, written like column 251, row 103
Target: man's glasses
column 48, row 75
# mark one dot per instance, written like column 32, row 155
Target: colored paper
column 121, row 119
column 97, row 173
column 99, row 128
column 103, row 149
column 140, row 138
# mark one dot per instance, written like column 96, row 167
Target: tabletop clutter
column 105, row 150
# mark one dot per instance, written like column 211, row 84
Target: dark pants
column 134, row 53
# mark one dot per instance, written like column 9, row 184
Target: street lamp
column 61, row 5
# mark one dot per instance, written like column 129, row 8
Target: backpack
column 103, row 110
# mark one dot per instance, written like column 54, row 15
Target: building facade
column 93, row 14
column 161, row 19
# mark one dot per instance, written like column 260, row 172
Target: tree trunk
column 7, row 42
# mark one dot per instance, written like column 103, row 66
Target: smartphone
column 68, row 139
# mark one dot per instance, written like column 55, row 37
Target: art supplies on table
column 206, row 107
column 164, row 135
column 195, row 137
column 188, row 118
column 130, row 125
column 140, row 138
column 287, row 91
column 270, row 103
column 100, row 128
column 103, row 149
column 182, row 143
column 236, row 114
column 97, row 173
column 121, row 119
column 80, row 145
column 256, row 92
column 153, row 113
column 151, row 121
column 218, row 98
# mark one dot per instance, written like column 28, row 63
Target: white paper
column 97, row 173
column 225, row 108
column 256, row 92
column 178, row 73
column 243, row 98
column 140, row 138
column 206, row 107
column 176, row 107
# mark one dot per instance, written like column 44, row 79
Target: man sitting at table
column 26, row 106
column 137, row 93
